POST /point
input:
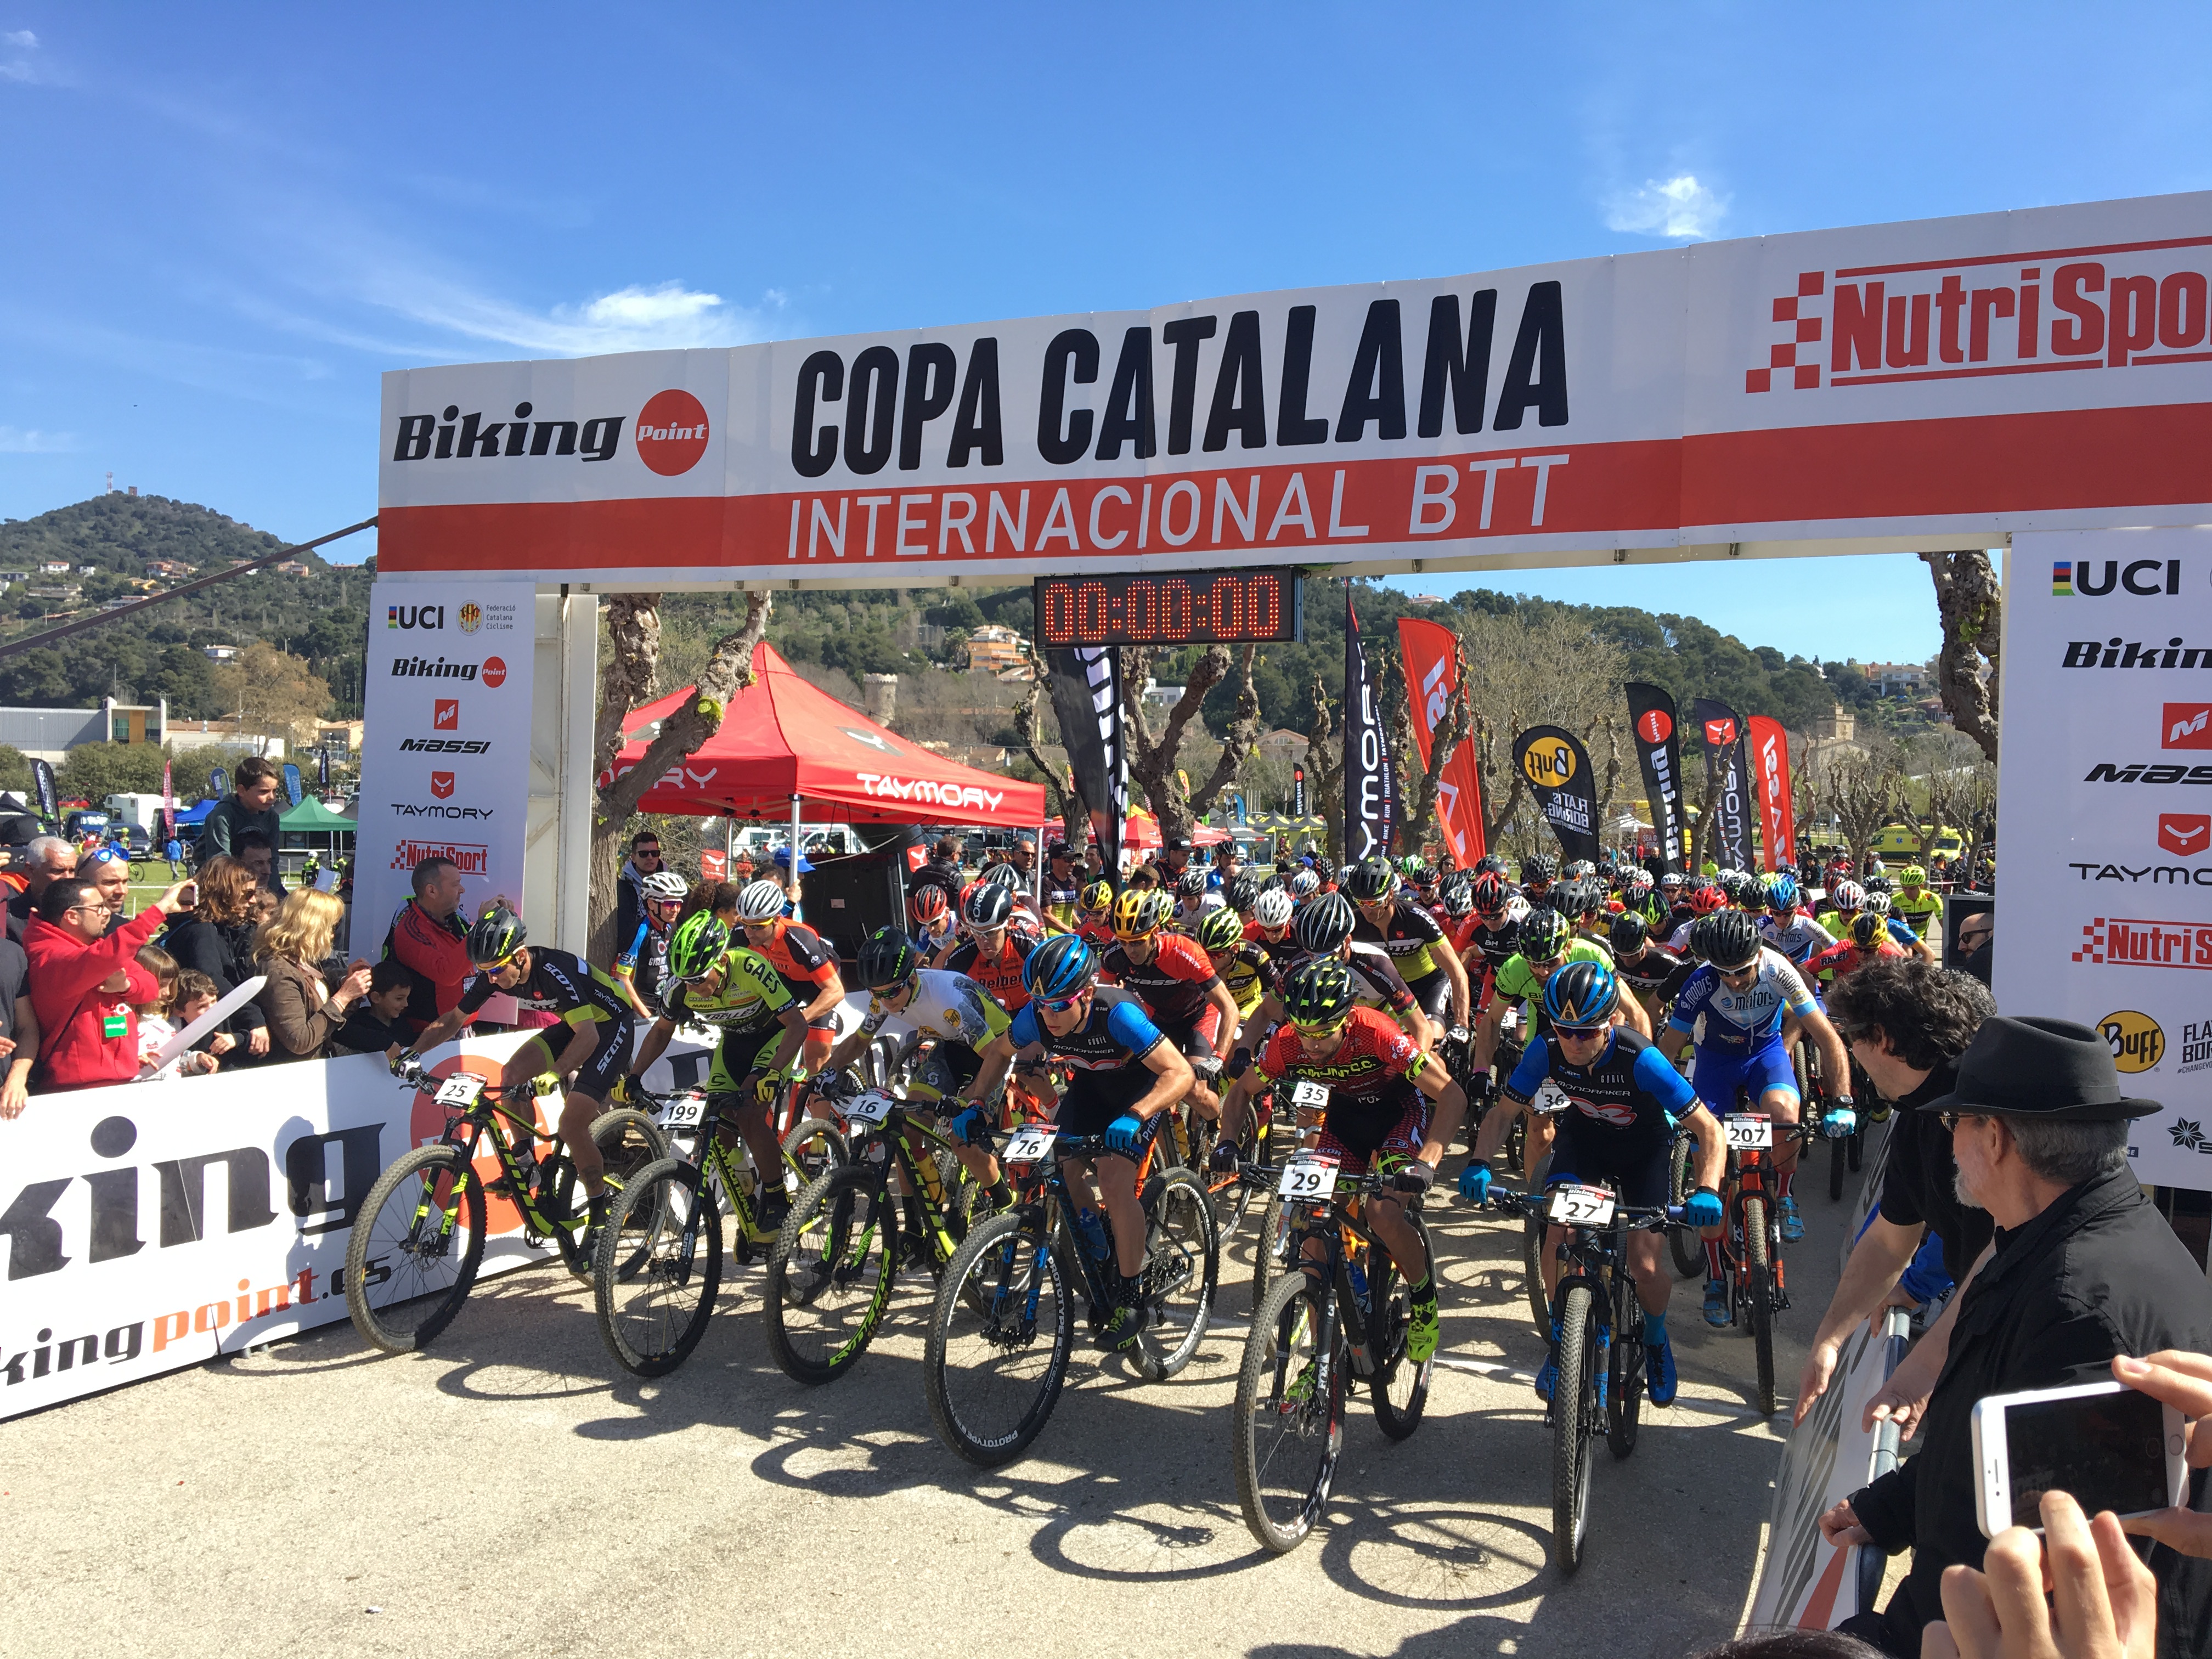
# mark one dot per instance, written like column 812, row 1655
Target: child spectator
column 379, row 1019
column 155, row 1028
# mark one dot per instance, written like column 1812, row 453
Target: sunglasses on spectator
column 652, row 853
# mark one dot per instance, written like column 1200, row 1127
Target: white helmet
column 664, row 884
column 1273, row 907
column 760, row 900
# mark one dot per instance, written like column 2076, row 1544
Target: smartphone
column 2111, row 1448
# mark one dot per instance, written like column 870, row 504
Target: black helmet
column 887, row 958
column 1318, row 993
column 1730, row 941
column 497, row 935
column 1192, row 882
column 988, row 905
column 1369, row 881
column 1539, row 866
column 1544, row 934
column 1242, row 892
column 1628, row 935
column 1869, row 930
column 1324, row 923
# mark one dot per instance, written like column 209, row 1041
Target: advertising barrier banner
column 445, row 752
column 1659, row 753
column 1729, row 838
column 1431, row 654
column 2108, row 824
column 1559, row 774
column 1371, row 785
column 1769, row 773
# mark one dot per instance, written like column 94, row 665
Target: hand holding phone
column 2183, row 1381
column 2107, row 1445
column 2102, row 1601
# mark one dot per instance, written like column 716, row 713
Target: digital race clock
column 1231, row 607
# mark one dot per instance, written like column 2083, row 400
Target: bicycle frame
column 1056, row 1207
column 1330, row 1221
column 466, row 1131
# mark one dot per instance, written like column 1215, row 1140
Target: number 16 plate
column 1308, row 1178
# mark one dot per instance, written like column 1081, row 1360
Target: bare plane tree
column 1152, row 750
column 1969, row 603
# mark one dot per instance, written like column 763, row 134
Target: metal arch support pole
column 798, row 805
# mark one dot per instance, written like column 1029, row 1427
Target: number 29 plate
column 1030, row 1142
column 1581, row 1206
column 1309, row 1179
column 1747, row 1129
column 462, row 1088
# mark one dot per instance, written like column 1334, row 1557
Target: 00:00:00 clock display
column 1170, row 609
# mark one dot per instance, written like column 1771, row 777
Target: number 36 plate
column 1307, row 1178
column 1748, row 1129
column 1581, row 1206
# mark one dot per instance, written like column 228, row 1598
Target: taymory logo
column 441, row 785
column 671, row 433
column 1720, row 733
column 2187, row 834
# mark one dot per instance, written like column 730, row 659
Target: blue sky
column 223, row 222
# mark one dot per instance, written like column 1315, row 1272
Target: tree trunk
column 633, row 627
column 1968, row 601
column 1704, row 831
column 1325, row 773
column 1152, row 754
column 1235, row 744
column 1488, row 766
column 1065, row 801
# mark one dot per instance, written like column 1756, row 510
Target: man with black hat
column 2082, row 1268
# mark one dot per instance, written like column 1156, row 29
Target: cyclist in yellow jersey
column 1912, row 903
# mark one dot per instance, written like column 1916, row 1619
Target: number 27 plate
column 1307, row 1178
column 1748, row 1129
column 1581, row 1206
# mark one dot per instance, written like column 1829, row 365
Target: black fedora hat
column 2048, row 1068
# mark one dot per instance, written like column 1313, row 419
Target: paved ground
column 515, row 1491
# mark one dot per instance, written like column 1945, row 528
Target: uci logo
column 427, row 617
column 2138, row 1043
column 1548, row 761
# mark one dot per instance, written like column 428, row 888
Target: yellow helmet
column 1140, row 912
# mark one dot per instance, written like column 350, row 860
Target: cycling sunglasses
column 1317, row 1029
column 1582, row 1033
column 1061, row 1005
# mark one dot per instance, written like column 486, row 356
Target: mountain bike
column 419, row 1238
column 1275, row 1246
column 659, row 1265
column 1600, row 1381
column 1845, row 1152
column 1325, row 1322
column 905, row 1195
column 1003, row 1326
column 1751, row 1242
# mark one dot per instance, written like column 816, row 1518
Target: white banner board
column 2105, row 796
column 445, row 751
column 1932, row 380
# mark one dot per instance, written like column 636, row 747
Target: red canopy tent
column 1140, row 832
column 785, row 742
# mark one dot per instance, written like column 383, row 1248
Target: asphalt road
column 515, row 1491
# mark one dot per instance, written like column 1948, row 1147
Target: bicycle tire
column 1624, row 1393
column 1268, row 1247
column 658, row 1268
column 811, row 1148
column 1182, row 1251
column 1010, row 1252
column 1759, row 1289
column 1683, row 1243
column 1838, row 1160
column 1270, row 1428
column 1401, row 1388
column 1531, row 1271
column 628, row 1141
column 419, row 1302
column 842, row 1206
column 1574, row 1400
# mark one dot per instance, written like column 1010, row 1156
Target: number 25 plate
column 1307, row 1178
column 460, row 1090
column 1747, row 1129
column 1030, row 1142
column 1581, row 1206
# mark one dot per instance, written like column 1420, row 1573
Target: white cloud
column 23, row 441
column 1676, row 207
column 669, row 317
column 23, row 38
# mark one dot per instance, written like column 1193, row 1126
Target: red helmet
column 927, row 904
column 1708, row 900
column 1490, row 894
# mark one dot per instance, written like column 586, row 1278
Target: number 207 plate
column 1581, row 1206
column 1746, row 1129
column 1307, row 1178
column 460, row 1090
column 1030, row 1142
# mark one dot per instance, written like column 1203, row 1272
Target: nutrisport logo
column 670, row 433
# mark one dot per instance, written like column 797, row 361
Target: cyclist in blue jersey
column 1741, row 1010
column 1122, row 1075
column 1623, row 1103
column 641, row 968
column 1790, row 928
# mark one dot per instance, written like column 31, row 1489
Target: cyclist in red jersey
column 996, row 950
column 1171, row 975
column 806, row 965
column 1869, row 942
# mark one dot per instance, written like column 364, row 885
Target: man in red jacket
column 83, row 986
column 429, row 938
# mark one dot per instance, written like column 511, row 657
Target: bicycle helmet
column 1220, row 930
column 1869, row 929
column 1782, row 893
column 1304, row 884
column 1191, row 882
column 1243, row 893
column 1580, row 995
column 1877, row 904
column 1628, row 935
column 1878, row 882
column 1538, row 866
column 1371, row 880
column 927, row 905
column 1671, row 882
column 1060, row 968
column 1544, row 934
column 1847, row 895
column 697, row 944
column 1140, row 911
column 664, row 884
column 760, row 900
column 1096, row 899
column 497, row 935
column 1579, row 868
column 887, row 958
column 1273, row 909
column 1003, row 875
column 988, row 906
column 1318, row 993
column 1414, row 867
column 1912, row 876
column 1731, row 940
column 1490, row 864
column 1326, row 924
column 1457, row 894
column 1708, row 901
column 1490, row 894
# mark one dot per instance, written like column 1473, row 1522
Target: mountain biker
column 1867, row 941
column 1195, row 901
column 592, row 1010
column 1705, row 900
column 1181, row 993
column 1538, row 872
column 995, row 949
column 1094, row 918
column 642, row 969
column 1494, row 929
column 1623, row 1103
column 1380, row 1086
column 1123, row 1074
column 1787, row 927
column 717, row 980
column 1246, row 967
column 808, row 966
column 1323, row 927
column 1652, row 973
column 1741, row 1010
column 1416, row 946
column 1913, row 903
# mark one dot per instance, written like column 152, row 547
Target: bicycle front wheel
column 1000, row 1340
column 1401, row 1388
column 1759, row 1292
column 1182, row 1267
column 1574, row 1406
column 1271, row 1249
column 1683, row 1243
column 829, row 1278
column 1531, row 1271
column 1289, row 1413
column 415, row 1249
column 657, row 1267
column 628, row 1141
column 812, row 1148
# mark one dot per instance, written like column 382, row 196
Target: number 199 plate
column 685, row 1114
column 1307, row 1178
column 1581, row 1206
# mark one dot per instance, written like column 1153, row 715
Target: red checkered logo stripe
column 2132, row 942
column 1804, row 331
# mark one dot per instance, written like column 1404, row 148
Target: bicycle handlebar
column 1634, row 1218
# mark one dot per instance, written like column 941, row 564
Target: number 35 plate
column 1309, row 1096
column 1307, row 1178
column 1030, row 1142
column 1747, row 1129
column 1581, row 1206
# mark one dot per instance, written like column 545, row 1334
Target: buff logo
column 928, row 789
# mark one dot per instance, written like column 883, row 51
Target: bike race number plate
column 872, row 1107
column 462, row 1088
column 1309, row 1179
column 1747, row 1130
column 685, row 1114
column 1309, row 1097
column 1550, row 1099
column 1030, row 1142
column 1581, row 1206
